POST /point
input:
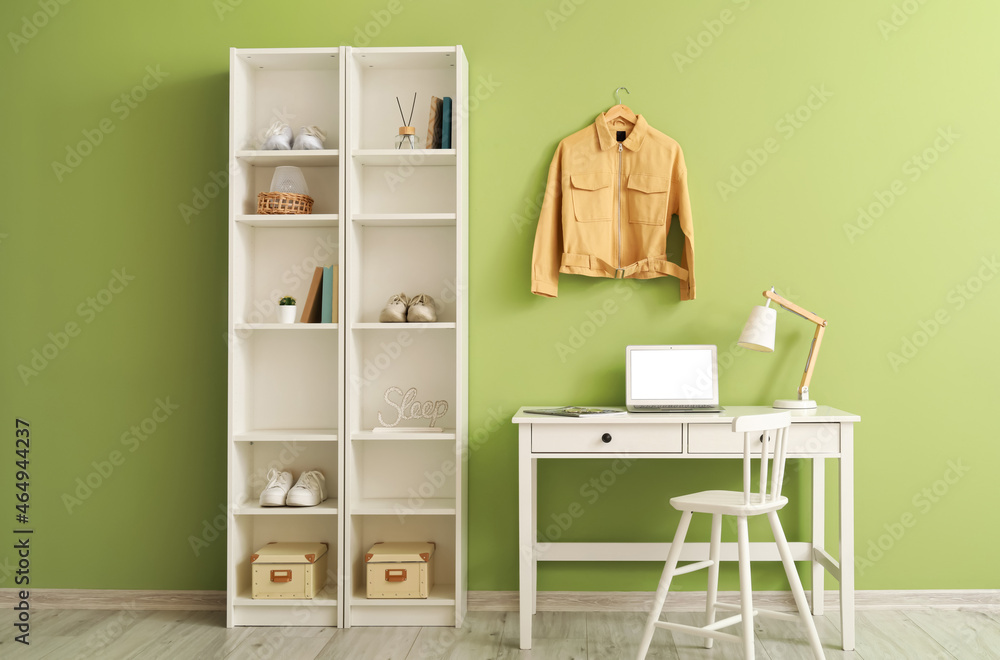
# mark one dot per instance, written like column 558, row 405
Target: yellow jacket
column 608, row 206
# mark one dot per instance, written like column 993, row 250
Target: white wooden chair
column 768, row 500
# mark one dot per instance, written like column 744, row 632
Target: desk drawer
column 812, row 438
column 625, row 438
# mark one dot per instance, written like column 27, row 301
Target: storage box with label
column 289, row 570
column 400, row 570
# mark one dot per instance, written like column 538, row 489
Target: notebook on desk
column 680, row 378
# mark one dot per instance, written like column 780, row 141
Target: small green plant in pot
column 286, row 310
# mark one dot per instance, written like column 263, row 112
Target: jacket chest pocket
column 592, row 196
column 647, row 199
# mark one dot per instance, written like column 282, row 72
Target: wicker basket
column 270, row 203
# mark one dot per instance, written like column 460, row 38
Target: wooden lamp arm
column 817, row 337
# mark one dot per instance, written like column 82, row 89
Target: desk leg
column 847, row 534
column 534, row 535
column 526, row 533
column 818, row 531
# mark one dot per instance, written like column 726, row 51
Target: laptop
column 672, row 378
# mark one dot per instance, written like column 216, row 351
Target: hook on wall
column 618, row 97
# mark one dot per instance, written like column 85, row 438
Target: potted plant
column 286, row 310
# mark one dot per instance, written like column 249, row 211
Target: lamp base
column 794, row 404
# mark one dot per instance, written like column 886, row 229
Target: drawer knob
column 606, row 438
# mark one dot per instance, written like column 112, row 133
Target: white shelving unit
column 406, row 230
column 286, row 396
column 306, row 396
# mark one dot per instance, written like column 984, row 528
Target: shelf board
column 299, row 158
column 405, row 219
column 448, row 434
column 440, row 594
column 399, row 326
column 287, row 435
column 290, row 220
column 325, row 598
column 327, row 508
column 410, row 157
column 287, row 327
column 400, row 506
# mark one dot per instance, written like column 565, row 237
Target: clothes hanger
column 620, row 112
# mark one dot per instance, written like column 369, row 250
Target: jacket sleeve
column 547, row 255
column 683, row 211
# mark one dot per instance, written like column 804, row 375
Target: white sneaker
column 394, row 310
column 309, row 490
column 278, row 137
column 309, row 137
column 422, row 309
column 277, row 487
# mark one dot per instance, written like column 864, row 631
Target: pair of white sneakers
column 421, row 308
column 309, row 490
column 279, row 137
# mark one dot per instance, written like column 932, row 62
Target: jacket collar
column 633, row 142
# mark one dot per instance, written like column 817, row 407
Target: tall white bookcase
column 307, row 396
column 406, row 231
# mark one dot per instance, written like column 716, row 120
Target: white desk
column 816, row 434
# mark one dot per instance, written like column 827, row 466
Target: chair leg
column 796, row 585
column 661, row 589
column 714, row 553
column 746, row 589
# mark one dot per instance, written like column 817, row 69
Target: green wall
column 855, row 105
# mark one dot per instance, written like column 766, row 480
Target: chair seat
column 727, row 502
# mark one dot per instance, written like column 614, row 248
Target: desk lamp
column 758, row 335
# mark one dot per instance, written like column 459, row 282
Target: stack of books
column 321, row 303
column 439, row 124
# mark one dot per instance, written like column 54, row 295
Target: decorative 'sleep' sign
column 408, row 408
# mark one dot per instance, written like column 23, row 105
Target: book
column 312, row 311
column 576, row 411
column 434, row 124
column 446, row 122
column 327, row 302
column 335, row 294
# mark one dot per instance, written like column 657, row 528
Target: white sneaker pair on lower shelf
column 309, row 490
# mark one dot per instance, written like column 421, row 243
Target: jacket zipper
column 619, row 206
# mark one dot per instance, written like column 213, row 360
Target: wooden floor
column 109, row 635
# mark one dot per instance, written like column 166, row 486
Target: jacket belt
column 656, row 264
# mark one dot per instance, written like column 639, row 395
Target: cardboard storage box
column 289, row 570
column 400, row 570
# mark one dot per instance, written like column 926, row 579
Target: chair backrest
column 772, row 428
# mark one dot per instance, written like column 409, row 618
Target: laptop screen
column 672, row 374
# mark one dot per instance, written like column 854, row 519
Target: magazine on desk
column 576, row 411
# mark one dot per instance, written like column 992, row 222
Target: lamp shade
column 288, row 179
column 758, row 333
